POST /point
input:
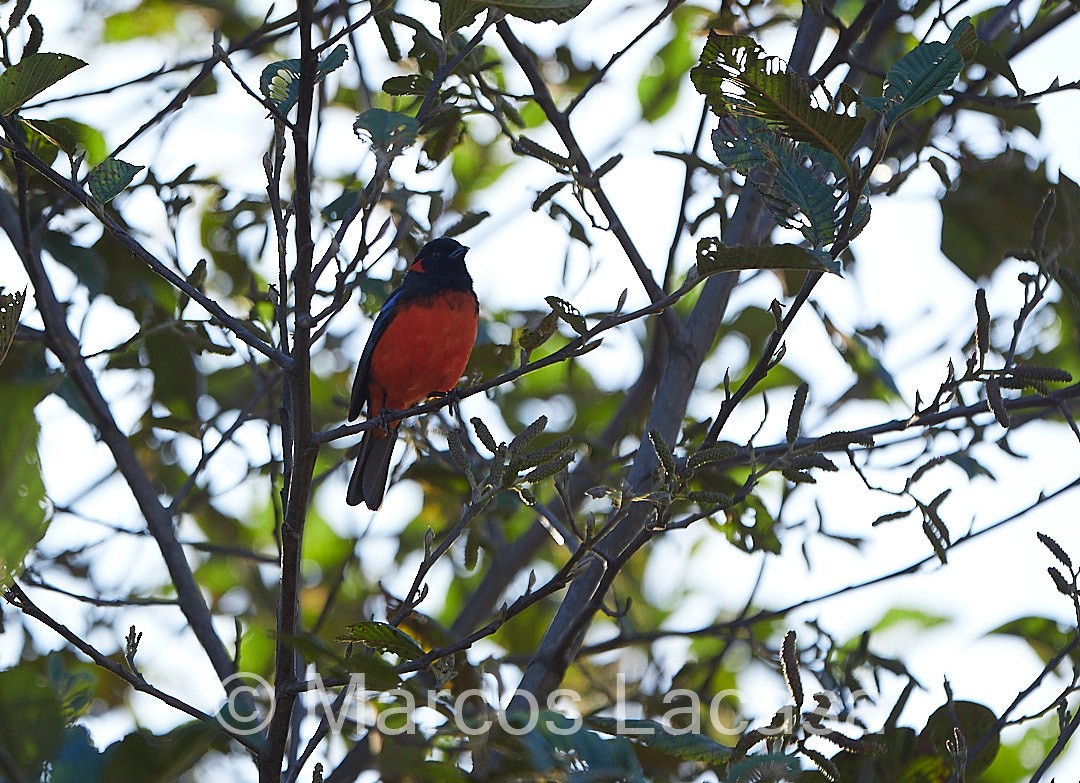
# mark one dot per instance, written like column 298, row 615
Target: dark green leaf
column 22, row 491
column 412, row 84
column 455, row 14
column 736, row 76
column 387, row 130
column 714, row 257
column 919, row 76
column 10, row 309
column 339, row 207
column 567, row 312
column 35, row 73
column 542, row 10
column 973, row 722
column 154, row 758
column 31, row 723
column 280, row 81
column 685, row 745
column 384, row 638
column 468, row 221
column 109, row 179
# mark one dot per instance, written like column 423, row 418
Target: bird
column 419, row 346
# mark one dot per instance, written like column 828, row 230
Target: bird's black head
column 443, row 259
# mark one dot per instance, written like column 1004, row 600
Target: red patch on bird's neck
column 417, row 266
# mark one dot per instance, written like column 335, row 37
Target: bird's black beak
column 459, row 253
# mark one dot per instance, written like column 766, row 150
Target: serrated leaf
column 34, row 74
column 653, row 734
column 22, row 491
column 411, row 84
column 714, row 257
column 933, row 534
column 455, row 14
column 964, row 39
column 1060, row 582
column 467, row 222
column 110, row 177
column 531, row 339
column 803, row 187
column 557, row 11
column 383, row 637
column 919, row 76
column 60, row 136
column 387, row 130
column 339, row 207
column 567, row 312
column 891, row 516
column 280, row 81
column 736, row 76
column 1056, row 550
column 11, row 306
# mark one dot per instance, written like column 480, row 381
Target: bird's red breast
column 418, row 346
column 424, row 350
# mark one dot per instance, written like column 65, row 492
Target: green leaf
column 965, row 40
column 803, row 187
column 110, row 178
column 72, row 137
column 714, row 257
column 531, row 339
column 387, row 130
column 384, row 638
column 558, row 11
column 991, row 210
column 919, row 76
column 176, row 377
column 412, row 84
column 280, row 81
column 972, row 721
column 455, row 14
column 339, row 207
column 58, row 135
column 658, row 88
column 1044, row 635
column 568, row 313
column 159, row 758
column 31, row 723
column 22, row 490
column 10, row 309
column 77, row 760
column 35, row 73
column 737, row 77
column 468, row 221
column 653, row 734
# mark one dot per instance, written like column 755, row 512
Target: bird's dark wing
column 363, row 369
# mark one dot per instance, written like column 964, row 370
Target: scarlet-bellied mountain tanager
column 419, row 346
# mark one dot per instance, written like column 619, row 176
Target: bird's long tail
column 368, row 482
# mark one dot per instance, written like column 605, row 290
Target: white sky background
column 901, row 280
